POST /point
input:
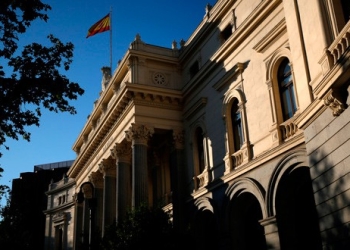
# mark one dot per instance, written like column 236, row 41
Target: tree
column 3, row 190
column 36, row 82
column 142, row 228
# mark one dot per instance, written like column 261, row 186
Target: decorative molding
column 59, row 217
column 87, row 191
column 279, row 30
column 334, row 99
column 139, row 133
column 96, row 179
column 122, row 152
column 231, row 76
column 178, row 136
column 107, row 167
column 288, row 129
column 202, row 179
column 202, row 102
column 159, row 79
column 340, row 45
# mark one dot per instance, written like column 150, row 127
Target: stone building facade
column 60, row 214
column 242, row 131
column 28, row 201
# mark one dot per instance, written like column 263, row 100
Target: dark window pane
column 200, row 149
column 236, row 126
column 286, row 89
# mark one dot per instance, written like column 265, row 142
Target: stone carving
column 87, row 191
column 178, row 136
column 139, row 133
column 122, row 152
column 335, row 101
column 107, row 167
column 96, row 179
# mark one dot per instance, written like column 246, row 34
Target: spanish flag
column 101, row 26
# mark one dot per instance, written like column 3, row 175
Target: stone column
column 96, row 179
column 271, row 233
column 157, row 182
column 121, row 152
column 87, row 190
column 177, row 179
column 78, row 224
column 108, row 169
column 139, row 135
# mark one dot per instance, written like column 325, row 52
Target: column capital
column 96, row 179
column 107, row 167
column 121, row 152
column 178, row 136
column 139, row 133
column 87, row 190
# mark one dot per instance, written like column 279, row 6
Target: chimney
column 106, row 76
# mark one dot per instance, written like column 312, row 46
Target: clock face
column 159, row 78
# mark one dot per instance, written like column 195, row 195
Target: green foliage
column 3, row 191
column 35, row 81
column 143, row 228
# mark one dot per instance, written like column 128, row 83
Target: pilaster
column 271, row 232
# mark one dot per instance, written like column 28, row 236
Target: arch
column 195, row 125
column 291, row 201
column 229, row 98
column 278, row 95
column 245, row 210
column 238, row 148
column 204, row 224
column 275, row 60
column 204, row 203
column 286, row 166
column 200, row 155
column 244, row 185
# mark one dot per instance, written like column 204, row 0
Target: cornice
column 59, row 208
column 310, row 114
column 230, row 76
column 61, row 187
column 105, row 97
column 293, row 144
column 274, row 34
column 263, row 158
column 205, row 28
column 195, row 107
column 245, row 29
column 129, row 96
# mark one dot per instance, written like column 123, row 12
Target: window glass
column 286, row 89
column 236, row 125
column 200, row 149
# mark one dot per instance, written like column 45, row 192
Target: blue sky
column 158, row 22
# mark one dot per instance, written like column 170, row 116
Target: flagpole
column 110, row 41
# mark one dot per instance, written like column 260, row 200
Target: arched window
column 238, row 148
column 200, row 149
column 286, row 90
column 237, row 128
column 201, row 158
